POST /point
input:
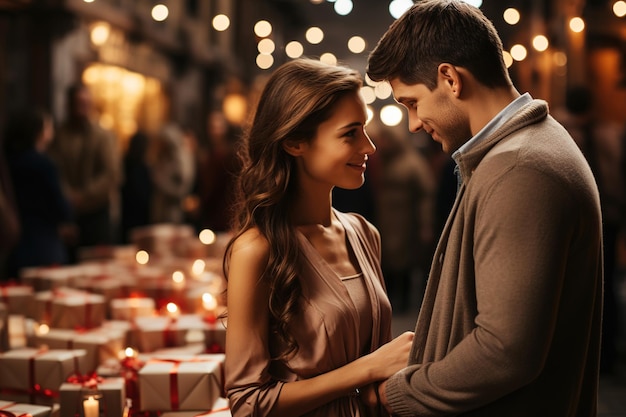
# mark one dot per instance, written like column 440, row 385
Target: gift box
column 35, row 375
column 192, row 383
column 215, row 337
column 18, row 298
column 163, row 240
column 152, row 333
column 67, row 308
column 49, row 278
column 100, row 344
column 132, row 307
column 220, row 408
column 111, row 393
column 25, row 410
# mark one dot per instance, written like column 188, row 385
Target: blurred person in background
column 217, row 171
column 45, row 213
column 136, row 191
column 404, row 190
column 173, row 172
column 9, row 220
column 88, row 161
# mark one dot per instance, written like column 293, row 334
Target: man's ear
column 451, row 77
column 294, row 147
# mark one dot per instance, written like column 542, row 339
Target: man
column 510, row 322
column 89, row 166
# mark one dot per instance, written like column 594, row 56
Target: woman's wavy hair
column 298, row 97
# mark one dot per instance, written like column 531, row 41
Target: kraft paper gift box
column 25, row 410
column 48, row 278
column 153, row 333
column 18, row 298
column 162, row 240
column 193, row 383
column 99, row 344
column 132, row 307
column 35, row 375
column 221, row 408
column 111, row 403
column 68, row 308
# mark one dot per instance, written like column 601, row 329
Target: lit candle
column 178, row 279
column 91, row 406
column 172, row 310
column 209, row 303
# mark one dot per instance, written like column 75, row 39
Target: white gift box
column 100, row 344
column 35, row 375
column 152, row 333
column 67, row 308
column 49, row 278
column 132, row 307
column 221, row 408
column 111, row 404
column 192, row 383
column 25, row 410
column 18, row 298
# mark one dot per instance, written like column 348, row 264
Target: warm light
column 198, row 266
column 43, row 329
column 518, row 52
column 368, row 94
column 100, row 33
column 160, row 12
column 264, row 61
column 172, row 309
column 391, row 115
column 235, row 109
column 221, row 22
column 343, row 7
column 540, row 43
column 142, row 257
column 294, row 49
column 266, row 46
column 209, row 302
column 619, row 8
column 314, row 35
column 576, row 24
column 369, row 81
column 129, row 352
column 262, row 28
column 508, row 59
column 356, row 44
column 511, row 16
column 328, row 58
column 559, row 59
column 398, row 7
column 178, row 277
column 207, row 236
column 88, row 1
column 383, row 90
column 91, row 406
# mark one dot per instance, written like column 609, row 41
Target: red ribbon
column 4, row 412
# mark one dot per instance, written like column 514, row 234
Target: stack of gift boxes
column 127, row 331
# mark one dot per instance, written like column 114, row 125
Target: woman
column 45, row 214
column 307, row 309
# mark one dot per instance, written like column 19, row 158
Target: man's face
column 434, row 111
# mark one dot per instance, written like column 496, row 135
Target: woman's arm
column 249, row 385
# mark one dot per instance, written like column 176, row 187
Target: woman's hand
column 391, row 357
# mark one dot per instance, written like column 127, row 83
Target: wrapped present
column 25, row 410
column 163, row 240
column 152, row 333
column 221, row 408
column 123, row 253
column 35, row 375
column 132, row 307
column 215, row 337
column 110, row 394
column 100, row 344
column 18, row 298
column 191, row 383
column 49, row 278
column 67, row 308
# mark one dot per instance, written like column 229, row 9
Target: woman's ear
column 294, row 147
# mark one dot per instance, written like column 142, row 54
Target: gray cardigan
column 510, row 322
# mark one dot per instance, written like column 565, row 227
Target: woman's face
column 338, row 154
